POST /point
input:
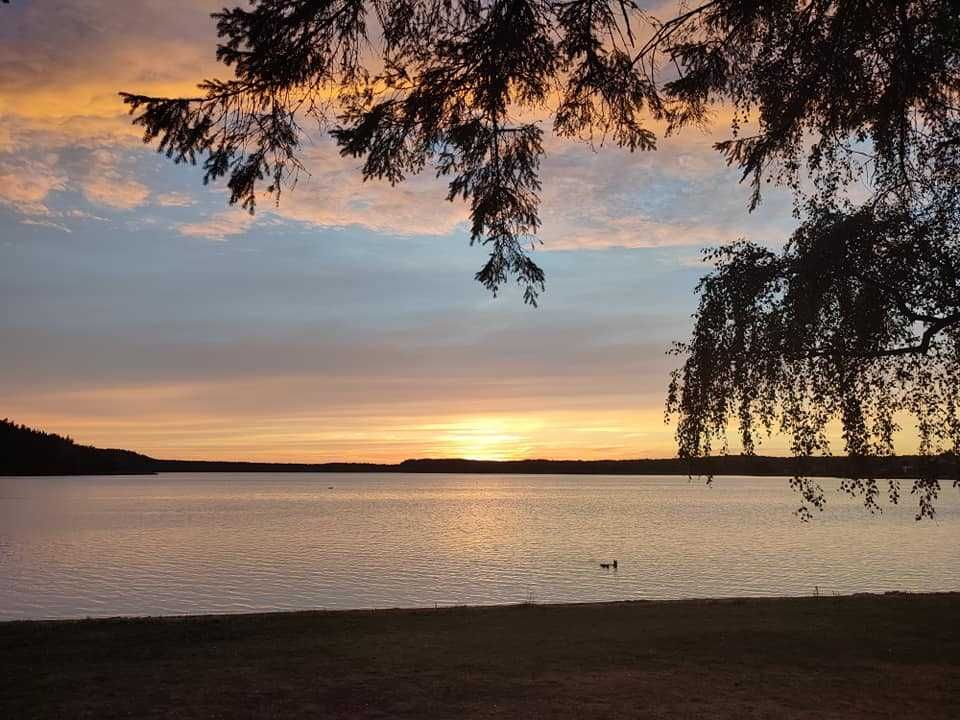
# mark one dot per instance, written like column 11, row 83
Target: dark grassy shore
column 895, row 656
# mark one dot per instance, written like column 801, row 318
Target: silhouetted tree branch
column 403, row 84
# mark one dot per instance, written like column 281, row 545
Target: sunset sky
column 140, row 311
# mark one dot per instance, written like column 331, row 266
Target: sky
column 140, row 311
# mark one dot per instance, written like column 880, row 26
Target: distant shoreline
column 902, row 467
column 860, row 656
column 25, row 451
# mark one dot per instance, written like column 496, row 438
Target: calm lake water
column 200, row 543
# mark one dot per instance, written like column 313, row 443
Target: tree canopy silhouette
column 855, row 323
column 853, row 105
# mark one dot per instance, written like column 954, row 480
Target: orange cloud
column 25, row 184
column 335, row 195
column 105, row 184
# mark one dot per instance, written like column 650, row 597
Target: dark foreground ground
column 894, row 656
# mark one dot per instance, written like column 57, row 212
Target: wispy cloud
column 335, row 195
column 174, row 199
column 25, row 184
column 45, row 223
column 219, row 226
column 104, row 183
column 680, row 195
column 37, row 164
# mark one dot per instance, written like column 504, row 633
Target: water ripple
column 194, row 543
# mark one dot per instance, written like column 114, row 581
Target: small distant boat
column 607, row 566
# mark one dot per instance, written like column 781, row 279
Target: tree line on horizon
column 28, row 451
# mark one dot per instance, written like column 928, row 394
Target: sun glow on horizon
column 487, row 438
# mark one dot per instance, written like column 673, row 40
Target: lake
column 204, row 543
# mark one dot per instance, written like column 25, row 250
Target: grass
column 862, row 656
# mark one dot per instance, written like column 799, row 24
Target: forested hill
column 24, row 451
